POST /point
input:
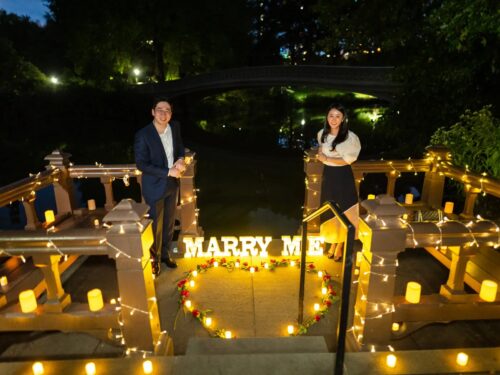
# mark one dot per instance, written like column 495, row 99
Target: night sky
column 35, row 9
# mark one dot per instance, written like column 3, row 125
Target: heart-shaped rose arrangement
column 328, row 294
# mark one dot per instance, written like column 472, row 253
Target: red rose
column 311, row 266
column 273, row 260
column 203, row 266
column 181, row 283
column 185, row 293
column 326, row 277
column 196, row 313
column 211, row 261
column 256, row 269
column 317, row 318
column 245, row 264
column 223, row 260
column 328, row 303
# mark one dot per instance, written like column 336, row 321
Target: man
column 159, row 155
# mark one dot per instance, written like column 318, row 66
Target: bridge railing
column 60, row 173
column 384, row 234
column 436, row 166
column 133, row 318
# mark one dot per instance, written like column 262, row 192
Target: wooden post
column 63, row 185
column 187, row 211
column 57, row 299
column 130, row 238
column 391, row 182
column 383, row 236
column 432, row 191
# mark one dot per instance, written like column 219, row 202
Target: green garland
column 201, row 315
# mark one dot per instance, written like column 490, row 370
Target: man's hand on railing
column 174, row 172
column 180, row 165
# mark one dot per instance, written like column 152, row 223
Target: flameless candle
column 27, row 300
column 356, row 271
column 147, row 367
column 316, row 307
column 96, row 223
column 237, row 264
column 290, row 329
column 395, row 327
column 320, row 274
column 448, row 207
column 94, row 297
column 266, row 266
column 292, row 263
column 3, row 281
column 462, row 359
column 90, row 368
column 195, row 273
column 408, row 198
column 91, row 204
column 391, row 360
column 37, row 368
column 228, row 334
column 208, row 321
column 216, row 264
column 413, row 292
column 371, row 196
column 49, row 216
column 188, row 304
column 252, row 269
column 488, row 291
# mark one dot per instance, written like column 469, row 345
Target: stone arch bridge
column 375, row 81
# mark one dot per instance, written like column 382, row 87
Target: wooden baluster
column 108, row 190
column 432, row 192
column 32, row 221
column 391, row 182
column 63, row 184
column 57, row 299
column 454, row 287
column 471, row 194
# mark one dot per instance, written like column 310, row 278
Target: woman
column 338, row 148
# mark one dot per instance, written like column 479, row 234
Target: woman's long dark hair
column 343, row 130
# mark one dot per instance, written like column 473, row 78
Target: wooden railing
column 127, row 239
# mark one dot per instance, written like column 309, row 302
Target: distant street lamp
column 303, row 122
column 54, row 80
column 137, row 72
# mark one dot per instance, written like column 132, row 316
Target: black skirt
column 338, row 186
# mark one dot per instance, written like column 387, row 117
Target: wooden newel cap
column 127, row 210
column 383, row 206
column 58, row 158
column 440, row 151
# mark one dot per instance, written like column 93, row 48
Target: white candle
column 391, row 360
column 191, row 283
column 413, row 290
column 252, row 269
column 91, row 204
column 37, row 368
column 95, row 300
column 324, row 290
column 147, row 367
column 49, row 216
column 188, row 304
column 208, row 321
column 395, row 327
column 316, row 307
column 448, row 207
column 90, row 368
column 290, row 329
column 371, row 196
column 228, row 334
column 3, row 281
column 462, row 359
column 488, row 291
column 27, row 300
column 408, row 198
column 96, row 223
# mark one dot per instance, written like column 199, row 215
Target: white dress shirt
column 168, row 145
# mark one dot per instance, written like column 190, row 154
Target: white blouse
column 347, row 150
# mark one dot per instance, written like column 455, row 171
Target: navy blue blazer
column 151, row 160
